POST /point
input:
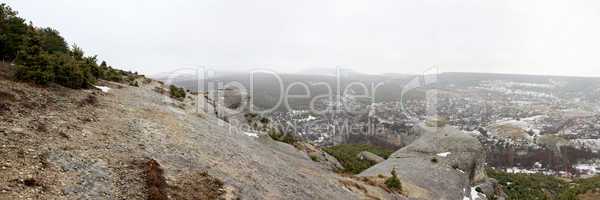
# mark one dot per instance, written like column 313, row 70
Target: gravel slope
column 86, row 144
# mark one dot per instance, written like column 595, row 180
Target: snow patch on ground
column 537, row 165
column 250, row 134
column 547, row 172
column 445, row 154
column 592, row 144
column 516, row 170
column 475, row 133
column 524, row 123
column 517, row 88
column 307, row 119
column 103, row 88
column 589, row 169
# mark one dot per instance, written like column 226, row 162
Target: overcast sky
column 401, row 36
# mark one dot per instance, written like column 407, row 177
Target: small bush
column 31, row 182
column 434, row 160
column 278, row 135
column 112, row 75
column 264, row 120
column 177, row 92
column 347, row 155
column 4, row 108
column 393, row 182
column 134, row 84
column 478, row 189
column 89, row 100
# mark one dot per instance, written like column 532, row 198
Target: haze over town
column 524, row 37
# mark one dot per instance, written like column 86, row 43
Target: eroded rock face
column 444, row 161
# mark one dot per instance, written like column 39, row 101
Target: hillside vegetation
column 42, row 55
column 347, row 154
column 537, row 186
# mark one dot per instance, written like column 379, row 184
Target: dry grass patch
column 197, row 186
column 155, row 181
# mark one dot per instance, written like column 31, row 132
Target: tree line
column 41, row 55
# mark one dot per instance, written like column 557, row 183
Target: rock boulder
column 443, row 160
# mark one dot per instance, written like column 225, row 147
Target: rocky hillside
column 128, row 142
column 442, row 163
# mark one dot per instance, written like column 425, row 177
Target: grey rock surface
column 72, row 151
column 93, row 179
column 256, row 168
column 444, row 161
column 488, row 187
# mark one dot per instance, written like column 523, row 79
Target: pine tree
column 393, row 182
